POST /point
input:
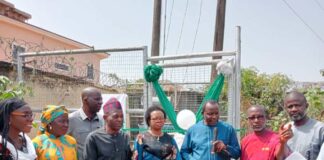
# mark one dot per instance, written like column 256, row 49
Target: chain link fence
column 59, row 79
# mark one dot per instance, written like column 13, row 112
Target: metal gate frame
column 21, row 56
column 233, row 114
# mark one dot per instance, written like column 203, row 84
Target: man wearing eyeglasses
column 264, row 143
column 308, row 133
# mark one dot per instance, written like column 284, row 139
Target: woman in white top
column 16, row 119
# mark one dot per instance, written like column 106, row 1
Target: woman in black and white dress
column 16, row 119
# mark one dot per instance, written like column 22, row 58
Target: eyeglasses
column 261, row 117
column 25, row 115
column 157, row 119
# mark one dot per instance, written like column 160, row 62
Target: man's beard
column 259, row 128
column 298, row 117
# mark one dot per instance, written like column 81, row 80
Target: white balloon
column 185, row 119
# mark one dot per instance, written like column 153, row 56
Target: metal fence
column 184, row 79
column 121, row 73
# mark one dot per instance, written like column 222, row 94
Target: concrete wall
column 34, row 39
column 48, row 88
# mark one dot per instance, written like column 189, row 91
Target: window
column 90, row 71
column 15, row 52
column 62, row 66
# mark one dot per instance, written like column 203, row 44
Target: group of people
column 303, row 135
column 63, row 136
column 87, row 135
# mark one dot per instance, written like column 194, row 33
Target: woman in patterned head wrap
column 52, row 143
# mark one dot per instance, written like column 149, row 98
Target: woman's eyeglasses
column 157, row 119
column 25, row 115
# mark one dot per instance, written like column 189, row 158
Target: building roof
column 9, row 10
column 9, row 14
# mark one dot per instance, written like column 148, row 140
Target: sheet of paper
column 295, row 156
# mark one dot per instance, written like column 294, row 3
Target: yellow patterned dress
column 48, row 147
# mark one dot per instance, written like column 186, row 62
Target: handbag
column 160, row 147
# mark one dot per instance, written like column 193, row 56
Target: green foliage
column 269, row 91
column 277, row 120
column 9, row 90
column 315, row 99
column 266, row 90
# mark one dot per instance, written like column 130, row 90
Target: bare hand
column 140, row 138
column 174, row 153
column 218, row 146
column 285, row 133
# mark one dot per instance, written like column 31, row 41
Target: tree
column 9, row 90
column 266, row 90
column 315, row 99
column 269, row 91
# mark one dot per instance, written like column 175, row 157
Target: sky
column 275, row 38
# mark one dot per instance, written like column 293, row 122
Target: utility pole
column 155, row 48
column 219, row 34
